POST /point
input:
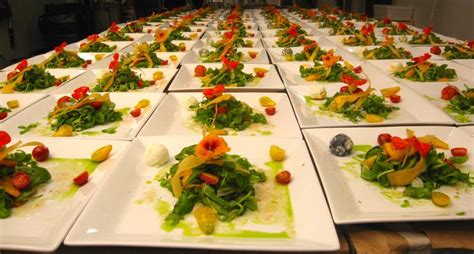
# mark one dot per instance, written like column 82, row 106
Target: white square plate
column 42, row 223
column 186, row 81
column 126, row 129
column 387, row 66
column 469, row 129
column 432, row 92
column 24, row 101
column 355, row 200
column 128, row 222
column 90, row 78
column 173, row 117
column 57, row 73
column 262, row 58
column 466, row 62
column 413, row 110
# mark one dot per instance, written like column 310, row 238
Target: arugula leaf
column 28, row 128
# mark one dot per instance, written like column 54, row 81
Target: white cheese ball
column 189, row 101
column 318, row 92
column 156, row 155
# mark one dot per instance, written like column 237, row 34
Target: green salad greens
column 330, row 70
column 311, row 52
column 462, row 103
column 427, row 37
column 415, row 164
column 31, row 78
column 20, row 177
column 459, row 51
column 230, row 74
column 64, row 59
column 133, row 27
column 96, row 46
column 225, row 111
column 211, row 183
column 421, row 70
column 386, row 51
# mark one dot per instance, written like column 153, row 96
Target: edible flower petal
column 211, row 147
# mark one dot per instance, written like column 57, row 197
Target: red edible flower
column 114, row 27
column 351, row 81
column 92, row 37
column 141, row 19
column 310, row 13
column 80, row 93
column 229, row 64
column 427, row 30
column 60, row 48
column 228, row 35
column 386, row 30
column 421, row 59
column 367, row 29
column 213, row 92
column 293, row 31
column 115, row 63
column 387, row 20
column 4, row 138
column 399, row 143
column 22, row 65
column 470, row 44
column 402, row 26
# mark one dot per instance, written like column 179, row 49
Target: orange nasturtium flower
column 330, row 59
column 211, row 147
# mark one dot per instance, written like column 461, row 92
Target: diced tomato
column 221, row 110
column 58, row 82
column 84, row 65
column 40, row 153
column 435, row 50
column 164, row 62
column 63, row 100
column 140, row 83
column 152, row 82
column 260, row 74
column 81, row 179
column 136, row 112
column 357, row 69
column 96, row 104
column 270, row 111
column 209, row 178
column 200, row 71
column 284, row 177
column 88, row 61
column 399, row 143
column 253, row 55
column 4, row 138
column 21, row 180
column 3, row 115
column 395, row 98
column 384, row 138
column 449, row 92
column 459, row 151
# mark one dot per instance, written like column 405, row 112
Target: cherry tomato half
column 21, row 180
column 284, row 177
column 81, row 179
column 270, row 111
column 200, row 71
column 459, row 151
column 449, row 92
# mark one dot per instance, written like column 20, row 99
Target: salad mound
column 459, row 101
column 415, row 164
column 421, row 70
column 133, row 27
column 230, row 74
column 219, row 111
column 387, row 50
column 459, row 51
column 142, row 57
column 20, row 175
column 82, row 110
column 28, row 78
column 400, row 29
column 427, row 37
column 95, row 44
column 340, row 28
column 163, row 41
column 293, row 37
column 62, row 58
column 364, row 37
column 356, row 104
column 330, row 70
column 211, row 183
column 311, row 52
column 114, row 34
column 120, row 78
column 223, row 48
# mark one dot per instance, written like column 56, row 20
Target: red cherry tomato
column 21, row 180
column 88, row 61
column 449, row 92
column 384, row 138
column 96, row 105
column 4, row 138
column 209, row 178
column 260, row 74
column 3, row 115
column 136, row 112
column 221, row 110
column 270, row 111
column 80, row 92
column 200, row 71
column 164, row 62
column 395, row 98
column 140, row 83
column 253, row 55
column 459, row 151
column 63, row 100
column 435, row 50
column 40, row 153
column 284, row 177
column 357, row 69
column 84, row 65
column 81, row 179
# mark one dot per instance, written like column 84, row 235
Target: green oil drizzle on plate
column 265, row 133
column 362, row 148
column 163, row 208
column 186, row 227
column 124, row 110
column 275, row 166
